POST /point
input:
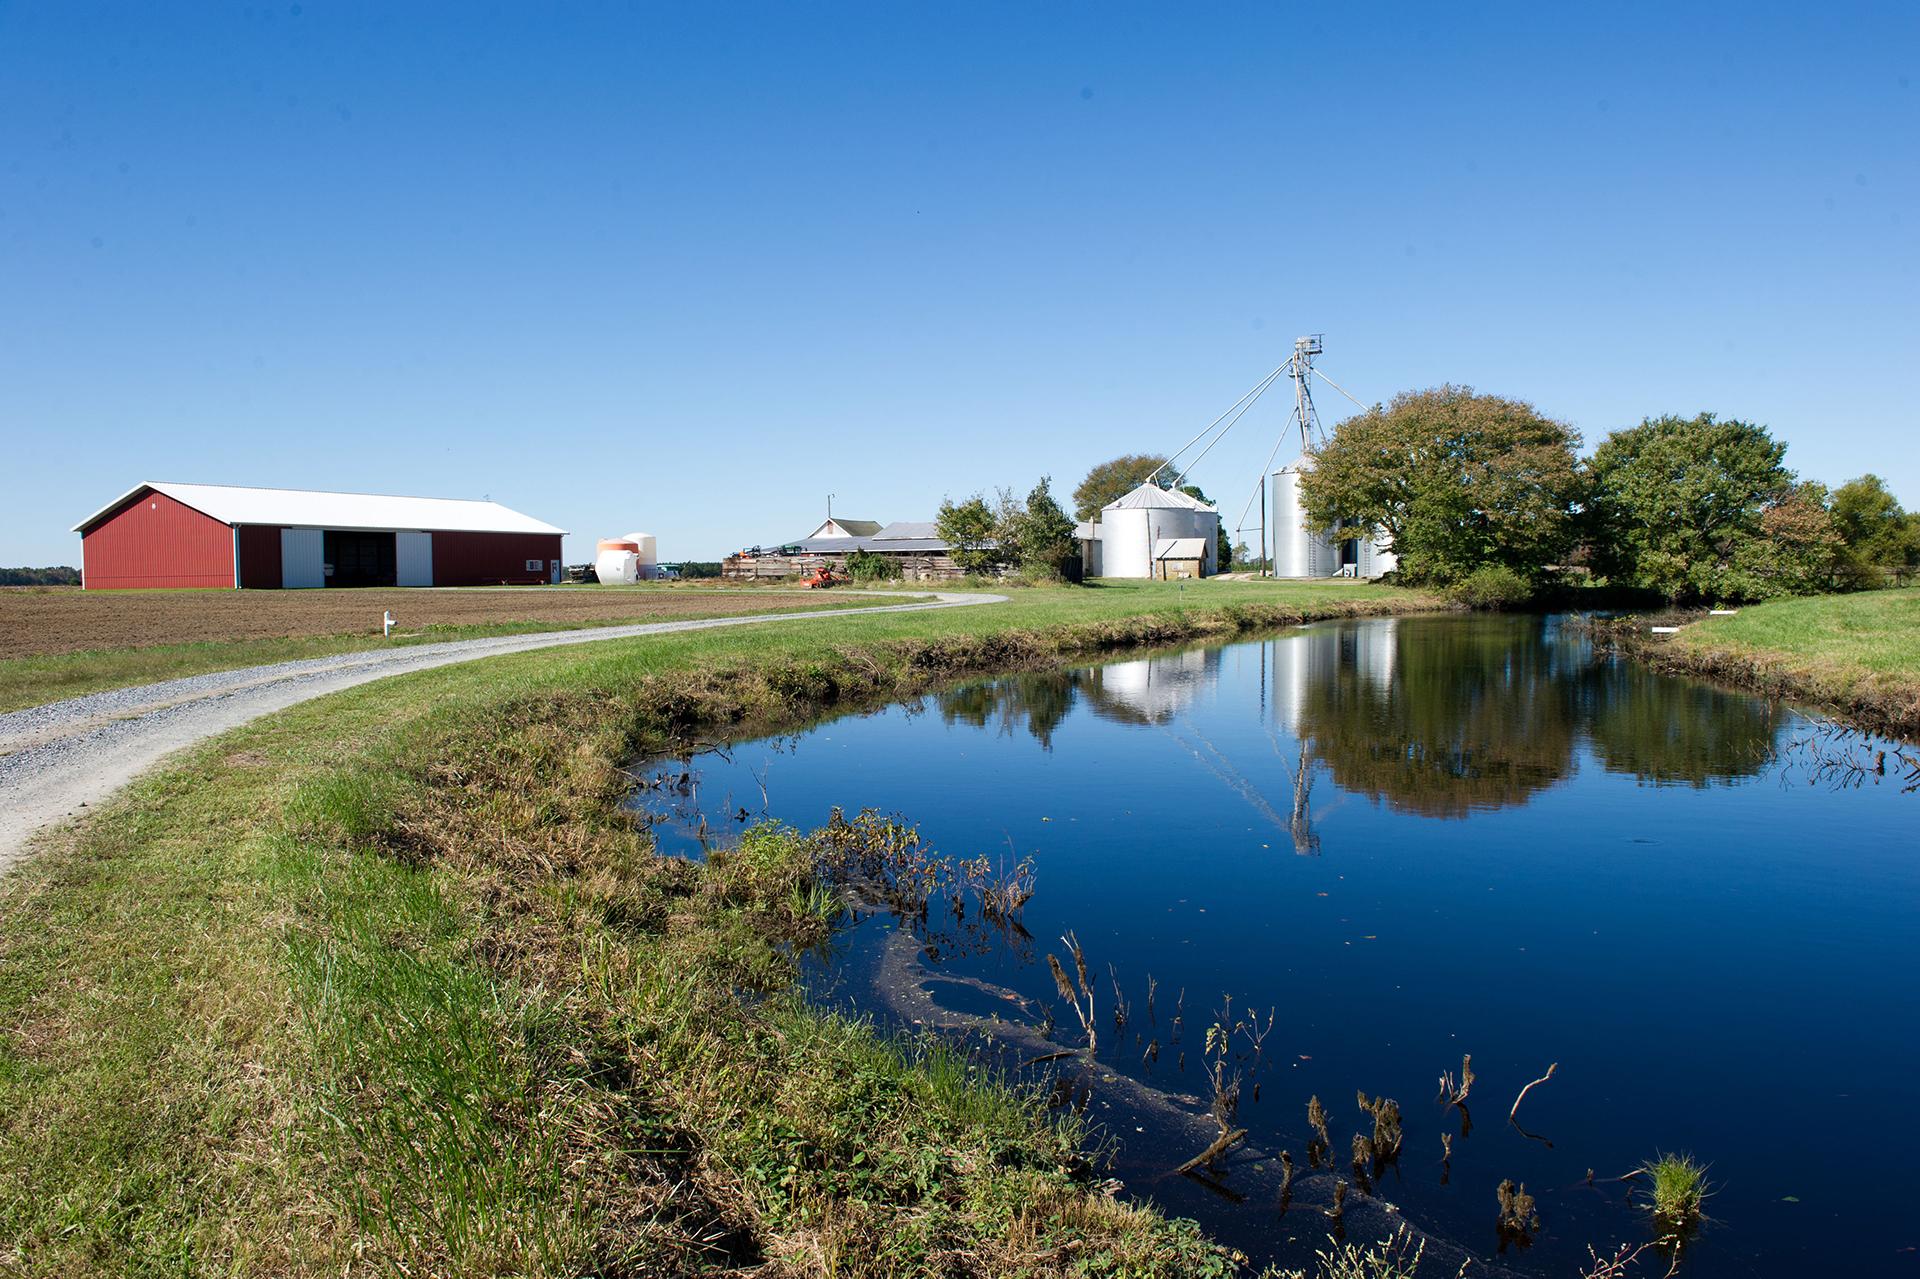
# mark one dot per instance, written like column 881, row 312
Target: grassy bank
column 386, row 984
column 1858, row 654
column 41, row 677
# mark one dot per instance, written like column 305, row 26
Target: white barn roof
column 1180, row 548
column 305, row 508
column 1157, row 498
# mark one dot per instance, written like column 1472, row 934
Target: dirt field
column 42, row 621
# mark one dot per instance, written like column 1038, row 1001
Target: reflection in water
column 1156, row 798
column 1446, row 720
column 1665, row 732
column 1039, row 701
column 1439, row 720
column 1152, row 690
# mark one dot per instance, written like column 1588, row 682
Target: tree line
column 63, row 575
column 1489, row 497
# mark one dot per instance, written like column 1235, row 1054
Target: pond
column 1389, row 844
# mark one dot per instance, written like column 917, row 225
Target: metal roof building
column 216, row 535
column 1148, row 531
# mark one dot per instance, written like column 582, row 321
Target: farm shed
column 1176, row 557
column 188, row 535
column 915, row 545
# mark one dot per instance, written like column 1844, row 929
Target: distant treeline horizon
column 63, row 575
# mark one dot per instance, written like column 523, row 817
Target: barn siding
column 260, row 557
column 154, row 541
column 490, row 559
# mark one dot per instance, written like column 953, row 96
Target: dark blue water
column 1420, row 838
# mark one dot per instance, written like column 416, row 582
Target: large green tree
column 971, row 529
column 1677, row 505
column 1454, row 480
column 1878, row 536
column 1037, row 533
column 1117, row 477
column 1797, row 552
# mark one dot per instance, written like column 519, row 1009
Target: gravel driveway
column 60, row 759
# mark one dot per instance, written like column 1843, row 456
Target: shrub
column 1492, row 587
column 871, row 566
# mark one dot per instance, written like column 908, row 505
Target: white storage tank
column 1297, row 552
column 617, row 561
column 1133, row 526
column 1375, row 558
column 647, row 553
column 1300, row 552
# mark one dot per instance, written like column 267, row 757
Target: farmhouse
column 187, row 535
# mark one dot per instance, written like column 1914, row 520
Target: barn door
column 413, row 559
column 302, row 552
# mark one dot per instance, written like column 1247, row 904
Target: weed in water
column 1454, row 1089
column 1387, row 1134
column 1081, row 998
column 1678, row 1185
column 1320, row 1145
column 1519, row 1217
column 1002, row 890
column 1396, row 1257
column 1363, row 1159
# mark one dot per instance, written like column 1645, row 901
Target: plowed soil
column 37, row 621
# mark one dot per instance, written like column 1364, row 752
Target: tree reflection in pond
column 1436, row 720
column 1444, row 717
column 1039, row 701
column 1684, row 734
column 1439, row 717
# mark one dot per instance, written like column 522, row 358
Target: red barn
column 174, row 535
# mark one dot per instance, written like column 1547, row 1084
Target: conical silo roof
column 1153, row 497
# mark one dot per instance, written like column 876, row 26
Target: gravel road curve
column 59, row 759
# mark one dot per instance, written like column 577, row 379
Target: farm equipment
column 822, row 578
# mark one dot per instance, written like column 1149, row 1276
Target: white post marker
column 387, row 623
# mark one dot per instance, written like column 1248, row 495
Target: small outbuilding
column 1176, row 557
column 216, row 535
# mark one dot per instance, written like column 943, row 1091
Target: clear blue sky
column 688, row 270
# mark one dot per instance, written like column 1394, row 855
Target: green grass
column 1677, row 1185
column 1858, row 653
column 384, row 983
column 35, row 681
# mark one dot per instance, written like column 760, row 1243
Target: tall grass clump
column 1678, row 1184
